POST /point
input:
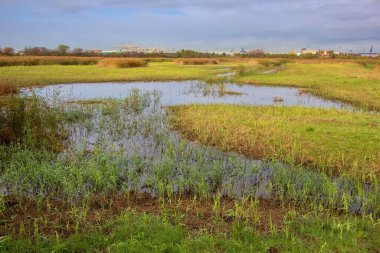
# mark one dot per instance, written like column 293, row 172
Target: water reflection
column 190, row 92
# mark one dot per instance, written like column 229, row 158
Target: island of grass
column 333, row 141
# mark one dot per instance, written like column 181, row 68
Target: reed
column 47, row 60
column 122, row 63
column 198, row 61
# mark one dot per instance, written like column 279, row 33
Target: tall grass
column 197, row 61
column 122, row 63
column 274, row 63
column 47, row 60
column 31, row 122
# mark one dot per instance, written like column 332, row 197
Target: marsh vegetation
column 125, row 174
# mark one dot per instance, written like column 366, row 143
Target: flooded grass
column 122, row 155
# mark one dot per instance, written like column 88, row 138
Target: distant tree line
column 65, row 50
column 43, row 51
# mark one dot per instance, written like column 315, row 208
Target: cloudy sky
column 272, row 25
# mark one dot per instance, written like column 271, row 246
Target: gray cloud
column 276, row 25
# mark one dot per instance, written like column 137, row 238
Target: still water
column 190, row 92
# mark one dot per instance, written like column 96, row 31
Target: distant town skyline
column 277, row 26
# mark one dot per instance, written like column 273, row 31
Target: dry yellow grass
column 47, row 60
column 122, row 63
column 198, row 61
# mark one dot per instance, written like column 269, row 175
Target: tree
column 77, row 51
column 8, row 50
column 63, row 49
column 36, row 51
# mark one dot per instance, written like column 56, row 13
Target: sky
column 207, row 25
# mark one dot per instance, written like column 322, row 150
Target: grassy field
column 56, row 74
column 351, row 82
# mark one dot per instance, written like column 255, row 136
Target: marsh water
column 190, row 92
column 149, row 157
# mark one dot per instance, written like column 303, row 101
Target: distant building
column 242, row 51
column 326, row 53
column 133, row 49
column 370, row 53
column 226, row 53
column 305, row 51
column 110, row 52
column 130, row 48
column 95, row 51
column 256, row 52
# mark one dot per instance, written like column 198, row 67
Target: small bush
column 274, row 63
column 122, row 63
column 197, row 61
column 243, row 70
column 31, row 121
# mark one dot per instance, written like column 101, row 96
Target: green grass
column 147, row 233
column 338, row 142
column 56, row 74
column 347, row 82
